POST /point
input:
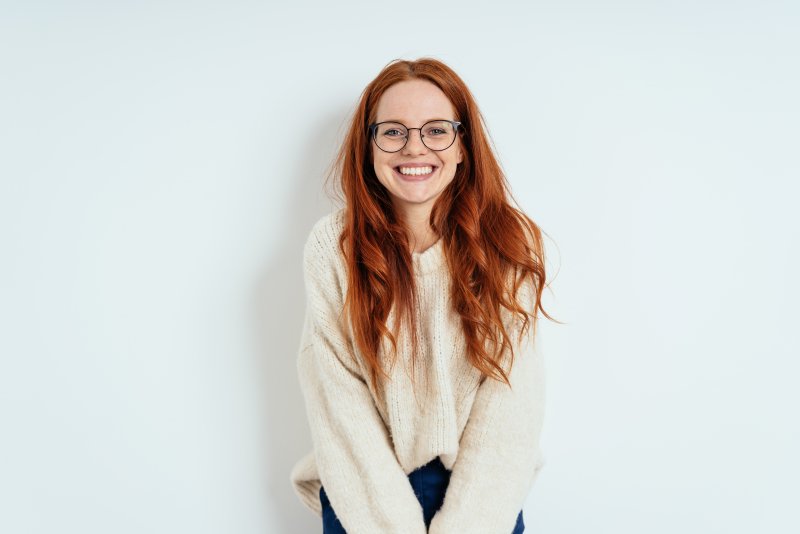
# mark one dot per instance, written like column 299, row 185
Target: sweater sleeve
column 499, row 455
column 367, row 487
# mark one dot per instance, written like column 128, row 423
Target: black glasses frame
column 373, row 128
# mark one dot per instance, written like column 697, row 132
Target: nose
column 414, row 145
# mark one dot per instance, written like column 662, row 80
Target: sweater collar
column 430, row 259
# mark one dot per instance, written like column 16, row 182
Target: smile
column 415, row 173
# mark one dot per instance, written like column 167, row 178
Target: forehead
column 413, row 101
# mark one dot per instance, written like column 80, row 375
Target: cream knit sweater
column 363, row 449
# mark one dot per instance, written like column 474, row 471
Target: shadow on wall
column 278, row 307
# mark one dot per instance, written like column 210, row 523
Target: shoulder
column 322, row 242
column 323, row 261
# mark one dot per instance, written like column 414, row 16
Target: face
column 413, row 103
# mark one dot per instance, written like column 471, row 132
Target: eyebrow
column 428, row 120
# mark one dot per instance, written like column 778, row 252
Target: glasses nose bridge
column 408, row 137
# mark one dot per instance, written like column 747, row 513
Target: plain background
column 163, row 162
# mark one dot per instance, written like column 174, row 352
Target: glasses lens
column 438, row 135
column 391, row 136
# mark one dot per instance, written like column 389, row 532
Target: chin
column 415, row 199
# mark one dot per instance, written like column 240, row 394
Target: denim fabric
column 430, row 484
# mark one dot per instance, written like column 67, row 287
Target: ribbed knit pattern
column 364, row 447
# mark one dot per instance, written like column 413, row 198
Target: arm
column 368, row 489
column 499, row 455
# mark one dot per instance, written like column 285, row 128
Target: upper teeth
column 416, row 170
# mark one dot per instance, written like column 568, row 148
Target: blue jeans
column 430, row 484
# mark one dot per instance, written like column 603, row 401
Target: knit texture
column 365, row 444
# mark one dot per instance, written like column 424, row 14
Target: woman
column 423, row 387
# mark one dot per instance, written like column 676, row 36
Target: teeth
column 416, row 171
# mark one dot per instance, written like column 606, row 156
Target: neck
column 420, row 233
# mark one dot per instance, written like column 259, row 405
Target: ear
column 460, row 156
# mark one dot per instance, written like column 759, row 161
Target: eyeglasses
column 393, row 136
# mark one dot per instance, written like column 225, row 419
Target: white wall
column 161, row 164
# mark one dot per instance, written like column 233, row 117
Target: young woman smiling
column 423, row 384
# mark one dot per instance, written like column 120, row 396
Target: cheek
column 452, row 159
column 381, row 169
column 378, row 160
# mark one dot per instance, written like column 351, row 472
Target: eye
column 393, row 132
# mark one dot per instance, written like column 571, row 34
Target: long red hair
column 487, row 242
